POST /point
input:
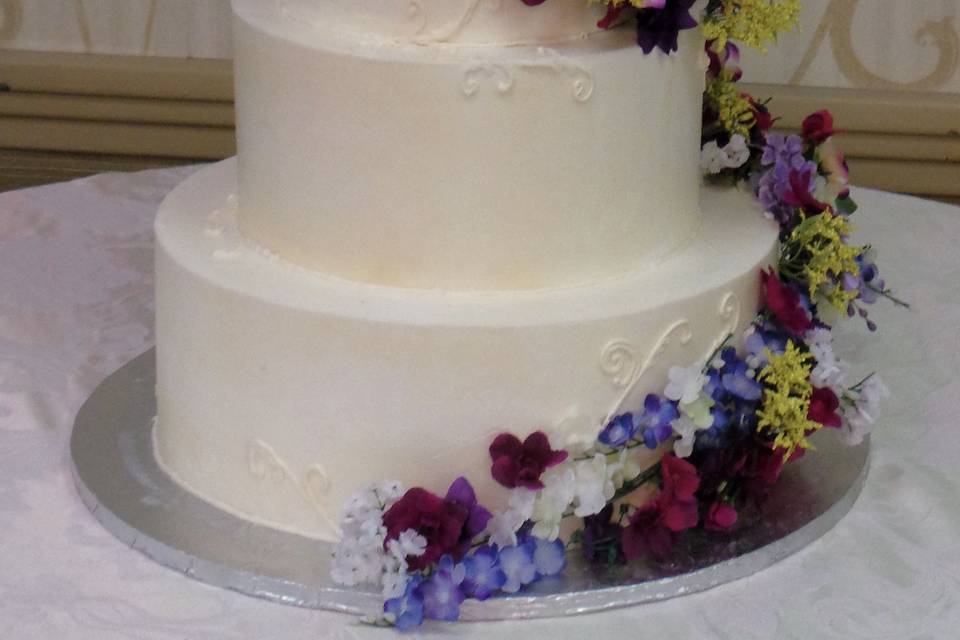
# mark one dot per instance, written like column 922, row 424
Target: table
column 76, row 303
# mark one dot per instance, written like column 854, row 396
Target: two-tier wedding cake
column 447, row 219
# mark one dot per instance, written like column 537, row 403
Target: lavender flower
column 549, row 557
column 442, row 595
column 518, row 566
column 482, row 573
column 407, row 611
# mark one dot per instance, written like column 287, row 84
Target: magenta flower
column 448, row 524
column 720, row 517
column 653, row 527
column 517, row 464
column 817, row 127
column 784, row 302
column 824, row 408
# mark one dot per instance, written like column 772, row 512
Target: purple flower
column 407, row 610
column 549, row 557
column 518, row 566
column 442, row 596
column 461, row 493
column 762, row 340
column 601, row 538
column 620, row 431
column 783, row 150
column 658, row 27
column 482, row 574
column 655, row 421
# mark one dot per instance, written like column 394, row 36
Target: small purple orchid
column 461, row 493
column 619, row 431
column 658, row 414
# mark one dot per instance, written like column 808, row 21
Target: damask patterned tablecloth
column 76, row 287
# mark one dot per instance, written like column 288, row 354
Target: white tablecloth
column 76, row 303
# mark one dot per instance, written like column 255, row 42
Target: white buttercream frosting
column 465, row 168
column 282, row 391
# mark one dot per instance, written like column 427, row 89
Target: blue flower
column 738, row 383
column 442, row 595
column 482, row 573
column 655, row 421
column 407, row 610
column 620, row 431
column 549, row 556
column 518, row 566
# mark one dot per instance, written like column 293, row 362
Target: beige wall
column 908, row 45
column 175, row 28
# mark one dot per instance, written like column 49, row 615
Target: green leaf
column 847, row 206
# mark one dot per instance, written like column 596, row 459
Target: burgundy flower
column 652, row 527
column 659, row 26
column 784, row 302
column 720, row 517
column 533, row 3
column 824, row 404
column 448, row 524
column 817, row 127
column 517, row 464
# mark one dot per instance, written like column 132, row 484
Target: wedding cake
column 447, row 219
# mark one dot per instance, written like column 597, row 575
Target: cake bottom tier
column 282, row 392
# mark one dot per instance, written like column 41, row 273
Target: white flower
column 872, row 393
column 830, row 371
column 685, row 383
column 356, row 564
column 736, row 152
column 502, row 528
column 712, row 158
column 553, row 501
column 390, row 492
column 859, row 419
column 575, row 434
column 408, row 543
column 687, row 430
column 594, row 485
column 394, row 583
column 625, row 470
column 361, row 507
column 699, row 411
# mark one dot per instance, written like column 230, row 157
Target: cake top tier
column 470, row 22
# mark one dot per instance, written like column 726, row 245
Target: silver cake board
column 121, row 483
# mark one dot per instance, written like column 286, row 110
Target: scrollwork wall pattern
column 837, row 27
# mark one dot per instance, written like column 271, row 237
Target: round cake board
column 121, row 483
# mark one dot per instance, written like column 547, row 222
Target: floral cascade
column 729, row 424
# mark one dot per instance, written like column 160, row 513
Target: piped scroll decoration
column 622, row 361
column 581, row 80
column 314, row 487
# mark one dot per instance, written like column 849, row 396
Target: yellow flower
column 817, row 254
column 753, row 22
column 786, row 400
column 736, row 114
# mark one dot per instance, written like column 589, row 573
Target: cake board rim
column 120, row 482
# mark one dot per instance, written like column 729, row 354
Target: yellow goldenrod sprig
column 734, row 110
column 817, row 254
column 786, row 400
column 752, row 22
